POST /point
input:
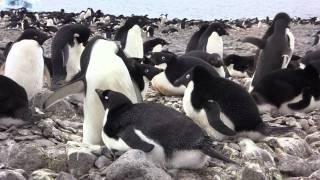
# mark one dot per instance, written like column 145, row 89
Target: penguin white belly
column 157, row 48
column 146, row 87
column 187, row 159
column 134, row 43
column 73, row 64
column 161, row 83
column 161, row 66
column 215, row 44
column 312, row 105
column 105, row 71
column 25, row 65
column 235, row 73
column 220, row 71
column 200, row 117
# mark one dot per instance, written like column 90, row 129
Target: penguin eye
column 106, row 98
column 188, row 76
column 163, row 58
column 146, row 70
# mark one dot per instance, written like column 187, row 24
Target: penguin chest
column 215, row 44
column 313, row 104
column 25, row 65
column 157, row 48
column 161, row 83
column 220, row 71
column 200, row 117
column 73, row 64
column 134, row 43
column 235, row 73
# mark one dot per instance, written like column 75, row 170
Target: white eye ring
column 146, row 71
column 106, row 98
column 188, row 76
column 163, row 58
column 210, row 101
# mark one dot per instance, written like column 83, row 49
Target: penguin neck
column 280, row 28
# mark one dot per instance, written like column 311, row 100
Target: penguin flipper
column 73, row 88
column 134, row 141
column 286, row 55
column 65, row 55
column 137, row 91
column 304, row 102
column 316, row 40
column 213, row 110
column 260, row 43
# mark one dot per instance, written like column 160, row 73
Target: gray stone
column 26, row 156
column 11, row 175
column 313, row 137
column 253, row 171
column 44, row 174
column 315, row 175
column 293, row 146
column 3, row 136
column 57, row 158
column 27, row 138
column 65, row 176
column 134, row 165
column 304, row 124
column 80, row 160
column 102, row 161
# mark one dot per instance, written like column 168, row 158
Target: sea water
column 191, row 9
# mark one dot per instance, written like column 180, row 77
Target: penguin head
column 147, row 70
column 281, row 19
column 238, row 64
column 112, row 99
column 215, row 60
column 136, row 20
column 195, row 74
column 34, row 34
column 163, row 57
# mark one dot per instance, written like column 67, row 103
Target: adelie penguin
column 289, row 91
column 214, row 59
column 222, row 108
column 211, row 41
column 169, row 139
column 194, row 41
column 25, row 63
column 154, row 45
column 101, row 67
column 275, row 48
column 67, row 47
column 130, row 37
column 174, row 67
column 239, row 66
column 14, row 106
column 316, row 39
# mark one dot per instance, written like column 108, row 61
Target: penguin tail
column 267, row 130
column 207, row 148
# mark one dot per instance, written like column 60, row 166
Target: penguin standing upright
column 66, row 50
column 168, row 138
column 316, row 39
column 275, row 48
column 194, row 41
column 101, row 67
column 183, row 23
column 211, row 40
column 207, row 94
column 25, row 63
column 130, row 37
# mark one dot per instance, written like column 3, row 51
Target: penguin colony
column 111, row 74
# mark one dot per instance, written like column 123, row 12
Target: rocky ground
column 51, row 149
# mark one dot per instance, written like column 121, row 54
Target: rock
column 253, row 172
column 134, row 165
column 44, row 174
column 250, row 151
column 3, row 136
column 26, row 138
column 43, row 143
column 80, row 160
column 57, row 158
column 304, row 124
column 313, row 137
column 65, row 176
column 26, row 156
column 292, row 165
column 315, row 175
column 188, row 175
column 102, row 161
column 293, row 146
column 11, row 175
column 24, row 132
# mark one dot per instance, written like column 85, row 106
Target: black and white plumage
column 289, row 91
column 194, row 40
column 239, row 66
column 170, row 139
column 221, row 107
column 154, row 45
column 316, row 39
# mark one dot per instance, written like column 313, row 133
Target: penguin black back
column 193, row 43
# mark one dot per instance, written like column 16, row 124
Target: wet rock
column 293, row 146
column 80, row 160
column 65, row 176
column 44, row 174
column 253, row 172
column 26, row 156
column 134, row 165
column 102, row 161
column 251, row 151
column 11, row 175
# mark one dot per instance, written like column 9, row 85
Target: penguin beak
column 99, row 92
